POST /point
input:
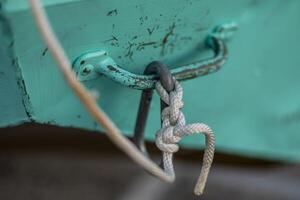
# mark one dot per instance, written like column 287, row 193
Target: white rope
column 174, row 128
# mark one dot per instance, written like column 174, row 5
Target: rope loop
column 174, row 128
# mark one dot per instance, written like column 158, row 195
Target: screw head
column 86, row 70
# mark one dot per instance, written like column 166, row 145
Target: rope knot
column 171, row 114
column 174, row 127
column 166, row 140
column 171, row 117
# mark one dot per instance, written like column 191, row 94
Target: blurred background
column 41, row 162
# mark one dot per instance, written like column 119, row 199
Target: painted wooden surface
column 252, row 104
column 12, row 101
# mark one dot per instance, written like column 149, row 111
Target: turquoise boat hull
column 252, row 103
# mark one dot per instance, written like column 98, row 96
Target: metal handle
column 91, row 65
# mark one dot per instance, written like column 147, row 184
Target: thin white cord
column 91, row 105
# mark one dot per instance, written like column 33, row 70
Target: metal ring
column 162, row 72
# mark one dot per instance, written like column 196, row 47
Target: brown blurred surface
column 46, row 162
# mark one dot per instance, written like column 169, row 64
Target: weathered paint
column 12, row 108
column 252, row 104
column 92, row 65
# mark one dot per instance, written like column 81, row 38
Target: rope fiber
column 174, row 128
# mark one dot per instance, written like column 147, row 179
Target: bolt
column 86, row 70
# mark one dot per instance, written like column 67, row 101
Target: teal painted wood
column 252, row 104
column 12, row 101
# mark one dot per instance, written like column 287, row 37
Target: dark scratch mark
column 112, row 12
column 143, row 19
column 129, row 53
column 45, row 51
column 113, row 38
column 143, row 45
column 114, row 44
column 151, row 30
column 113, row 41
column 113, row 69
column 165, row 39
column 26, row 97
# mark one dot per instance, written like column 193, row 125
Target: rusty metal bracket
column 92, row 65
